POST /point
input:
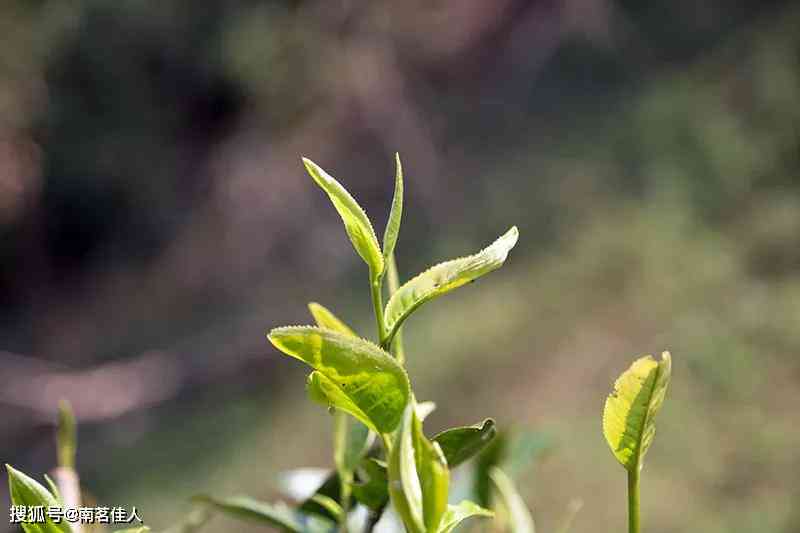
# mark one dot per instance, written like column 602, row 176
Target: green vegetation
column 367, row 389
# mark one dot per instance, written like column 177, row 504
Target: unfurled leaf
column 26, row 491
column 630, row 410
column 356, row 223
column 460, row 444
column 372, row 490
column 456, row 514
column 519, row 516
column 276, row 515
column 445, row 277
column 395, row 215
column 351, row 374
column 404, row 485
column 325, row 318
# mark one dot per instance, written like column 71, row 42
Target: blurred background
column 156, row 222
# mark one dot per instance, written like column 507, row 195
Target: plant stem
column 393, row 279
column 633, row 500
column 377, row 304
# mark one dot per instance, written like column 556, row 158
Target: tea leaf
column 520, row 519
column 351, row 437
column 277, row 515
column 356, row 223
column 372, row 491
column 395, row 215
column 142, row 529
column 352, row 374
column 630, row 410
column 456, row 514
column 445, row 277
column 462, row 443
column 26, row 491
column 404, row 484
column 325, row 318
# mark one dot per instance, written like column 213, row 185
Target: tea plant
column 381, row 453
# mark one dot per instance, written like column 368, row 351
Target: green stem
column 633, row 500
column 377, row 304
column 395, row 340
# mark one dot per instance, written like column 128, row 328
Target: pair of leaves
column 419, row 479
column 631, row 408
column 350, row 374
column 458, row 445
column 430, row 284
column 357, row 224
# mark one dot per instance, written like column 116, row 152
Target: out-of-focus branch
column 98, row 393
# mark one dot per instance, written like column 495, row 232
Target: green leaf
column 26, row 491
column 404, row 485
column 419, row 479
column 351, row 438
column 462, row 443
column 141, row 529
column 520, row 519
column 434, row 477
column 372, row 490
column 456, row 514
column 351, row 374
column 630, row 410
column 445, row 277
column 325, row 318
column 276, row 515
column 53, row 489
column 356, row 223
column 395, row 215
column 329, row 504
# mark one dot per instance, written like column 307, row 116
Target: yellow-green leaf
column 404, row 485
column 26, row 491
column 631, row 408
column 456, row 514
column 445, row 277
column 356, row 222
column 351, row 374
column 325, row 318
column 395, row 215
column 519, row 516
